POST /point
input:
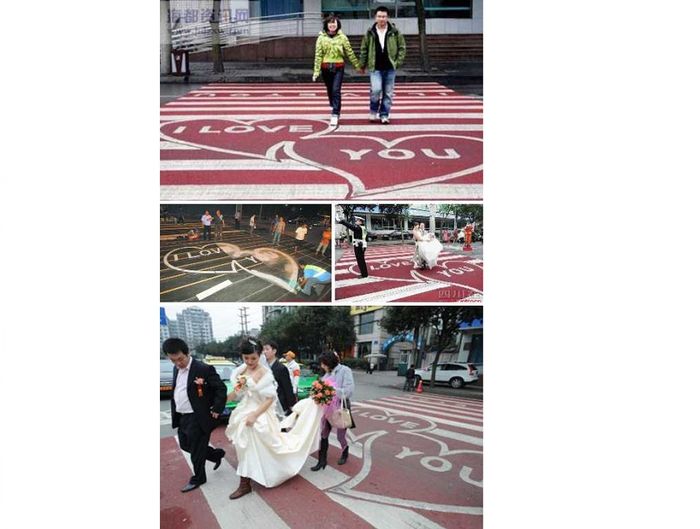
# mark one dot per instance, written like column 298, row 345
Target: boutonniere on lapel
column 199, row 381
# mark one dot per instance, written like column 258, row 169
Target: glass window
column 448, row 8
column 364, row 348
column 347, row 9
column 366, row 325
column 363, row 9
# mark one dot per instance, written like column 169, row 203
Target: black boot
column 322, row 456
column 344, row 456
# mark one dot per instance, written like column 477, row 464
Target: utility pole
column 243, row 313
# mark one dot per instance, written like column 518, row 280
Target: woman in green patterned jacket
column 332, row 47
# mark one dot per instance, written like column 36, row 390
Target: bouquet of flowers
column 322, row 392
column 241, row 382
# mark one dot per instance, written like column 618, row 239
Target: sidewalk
column 390, row 380
column 467, row 73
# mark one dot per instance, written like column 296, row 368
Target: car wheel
column 456, row 382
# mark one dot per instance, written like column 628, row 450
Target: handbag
column 341, row 417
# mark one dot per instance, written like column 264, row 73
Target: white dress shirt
column 381, row 33
column 182, row 401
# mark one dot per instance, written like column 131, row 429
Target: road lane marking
column 213, row 290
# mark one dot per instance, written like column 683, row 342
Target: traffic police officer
column 358, row 239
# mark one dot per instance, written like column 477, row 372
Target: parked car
column 166, row 378
column 306, row 378
column 379, row 234
column 452, row 373
column 224, row 368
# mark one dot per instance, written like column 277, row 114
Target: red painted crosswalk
column 265, row 141
column 458, row 277
column 415, row 461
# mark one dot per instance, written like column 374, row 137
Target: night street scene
column 251, row 252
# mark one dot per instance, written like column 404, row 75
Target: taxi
column 224, row 367
column 306, row 378
column 166, row 378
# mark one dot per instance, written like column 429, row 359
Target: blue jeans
column 333, row 79
column 381, row 91
column 276, row 237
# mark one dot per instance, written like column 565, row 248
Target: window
column 366, row 325
column 448, row 8
column 347, row 9
column 364, row 9
column 363, row 349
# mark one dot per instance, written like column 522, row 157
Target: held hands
column 215, row 415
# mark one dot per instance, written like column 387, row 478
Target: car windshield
column 166, row 366
column 224, row 371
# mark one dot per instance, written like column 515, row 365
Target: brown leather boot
column 243, row 489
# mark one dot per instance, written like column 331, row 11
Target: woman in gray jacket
column 345, row 385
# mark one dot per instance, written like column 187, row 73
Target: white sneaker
column 385, row 120
column 334, row 121
column 373, row 117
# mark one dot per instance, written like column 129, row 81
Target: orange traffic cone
column 419, row 389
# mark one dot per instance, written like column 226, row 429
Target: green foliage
column 444, row 321
column 393, row 212
column 310, row 331
column 474, row 211
column 227, row 348
column 356, row 363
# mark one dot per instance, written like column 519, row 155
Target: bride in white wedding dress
column 265, row 453
column 428, row 248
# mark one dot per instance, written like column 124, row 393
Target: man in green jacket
column 382, row 52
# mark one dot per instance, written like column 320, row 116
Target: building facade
column 443, row 17
column 270, row 312
column 374, row 343
column 193, row 325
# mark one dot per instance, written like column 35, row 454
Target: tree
column 473, row 211
column 443, row 321
column 217, row 58
column 395, row 213
column 312, row 331
column 227, row 348
column 398, row 320
column 422, row 38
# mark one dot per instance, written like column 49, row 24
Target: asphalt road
column 240, row 267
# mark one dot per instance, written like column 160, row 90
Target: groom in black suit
column 285, row 393
column 199, row 397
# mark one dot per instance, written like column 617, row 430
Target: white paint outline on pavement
column 167, row 118
column 249, row 510
column 427, row 409
column 442, row 405
column 439, row 420
column 213, row 290
column 260, row 191
column 385, row 516
column 234, row 252
column 347, row 488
